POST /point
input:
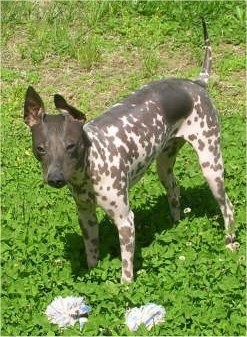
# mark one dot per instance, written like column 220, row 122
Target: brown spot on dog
column 201, row 144
column 125, row 263
column 192, row 137
column 174, row 202
column 216, row 167
column 95, row 242
column 216, row 158
column 217, row 141
column 125, row 234
column 91, row 223
column 211, row 132
column 127, row 274
column 129, row 247
column 221, row 190
column 95, row 154
column 211, row 148
column 111, row 213
column 85, row 233
column 205, row 164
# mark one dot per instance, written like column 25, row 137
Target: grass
column 96, row 53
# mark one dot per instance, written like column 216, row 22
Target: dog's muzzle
column 56, row 179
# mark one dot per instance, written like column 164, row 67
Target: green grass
column 95, row 53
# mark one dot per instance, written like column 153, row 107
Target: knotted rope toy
column 67, row 311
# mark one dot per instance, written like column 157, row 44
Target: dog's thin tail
column 207, row 62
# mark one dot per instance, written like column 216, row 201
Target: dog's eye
column 71, row 147
column 40, row 149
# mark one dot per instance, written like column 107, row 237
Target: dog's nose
column 56, row 179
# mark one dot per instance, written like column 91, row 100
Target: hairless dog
column 101, row 159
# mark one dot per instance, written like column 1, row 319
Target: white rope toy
column 149, row 315
column 67, row 311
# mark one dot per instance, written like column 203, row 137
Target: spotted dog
column 101, row 159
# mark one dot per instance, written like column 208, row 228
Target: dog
column 101, row 159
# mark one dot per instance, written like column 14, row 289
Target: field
column 95, row 53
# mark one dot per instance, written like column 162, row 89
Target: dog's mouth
column 57, row 184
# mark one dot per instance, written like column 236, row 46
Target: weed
column 88, row 54
column 239, row 15
column 150, row 64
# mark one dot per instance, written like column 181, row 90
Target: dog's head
column 59, row 141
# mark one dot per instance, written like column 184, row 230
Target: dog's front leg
column 127, row 246
column 126, row 231
column 90, row 231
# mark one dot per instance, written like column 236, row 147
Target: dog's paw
column 231, row 243
column 233, row 246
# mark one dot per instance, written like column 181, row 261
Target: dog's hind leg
column 207, row 145
column 165, row 162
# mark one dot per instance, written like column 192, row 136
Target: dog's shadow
column 148, row 222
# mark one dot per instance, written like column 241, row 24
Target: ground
column 94, row 54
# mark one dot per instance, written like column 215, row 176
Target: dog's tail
column 207, row 62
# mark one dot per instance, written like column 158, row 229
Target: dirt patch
column 118, row 73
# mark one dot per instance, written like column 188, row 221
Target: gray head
column 59, row 141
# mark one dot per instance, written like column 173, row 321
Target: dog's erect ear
column 33, row 107
column 64, row 107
